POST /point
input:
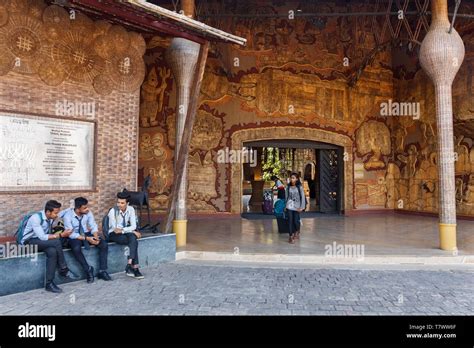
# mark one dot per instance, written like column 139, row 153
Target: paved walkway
column 194, row 288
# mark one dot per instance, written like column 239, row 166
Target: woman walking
column 295, row 203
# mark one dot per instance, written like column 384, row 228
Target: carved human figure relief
column 373, row 139
column 152, row 93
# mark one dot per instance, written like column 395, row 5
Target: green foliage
column 271, row 163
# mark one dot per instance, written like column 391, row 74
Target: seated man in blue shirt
column 38, row 231
column 123, row 230
column 85, row 232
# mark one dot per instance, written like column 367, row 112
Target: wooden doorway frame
column 240, row 137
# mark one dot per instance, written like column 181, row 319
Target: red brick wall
column 116, row 165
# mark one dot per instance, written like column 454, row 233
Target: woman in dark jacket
column 295, row 204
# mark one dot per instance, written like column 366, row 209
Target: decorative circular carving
column 59, row 45
column 82, row 25
column 126, row 70
column 18, row 6
column 101, row 28
column 119, row 38
column 102, row 84
column 23, row 43
column 138, row 42
column 51, row 73
column 36, row 8
column 56, row 18
column 23, row 37
column 77, row 58
column 102, row 46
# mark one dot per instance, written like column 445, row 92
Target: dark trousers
column 128, row 239
column 54, row 255
column 76, row 246
column 293, row 221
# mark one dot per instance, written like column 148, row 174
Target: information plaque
column 40, row 153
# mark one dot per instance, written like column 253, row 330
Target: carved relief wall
column 292, row 75
column 412, row 180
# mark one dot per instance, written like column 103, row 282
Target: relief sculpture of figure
column 462, row 164
column 469, row 194
column 152, row 96
column 373, row 139
column 409, row 170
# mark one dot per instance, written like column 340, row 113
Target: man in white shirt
column 38, row 231
column 85, row 232
column 123, row 231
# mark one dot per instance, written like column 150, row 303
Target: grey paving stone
column 196, row 289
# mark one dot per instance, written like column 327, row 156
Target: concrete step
column 27, row 271
column 325, row 260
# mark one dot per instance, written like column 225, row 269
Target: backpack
column 24, row 221
column 105, row 222
column 279, row 209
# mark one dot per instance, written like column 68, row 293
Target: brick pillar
column 441, row 55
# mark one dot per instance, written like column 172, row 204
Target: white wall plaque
column 45, row 154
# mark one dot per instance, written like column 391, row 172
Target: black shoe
column 51, row 287
column 104, row 276
column 129, row 271
column 67, row 275
column 137, row 274
column 90, row 275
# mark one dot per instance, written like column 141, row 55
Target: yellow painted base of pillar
column 447, row 237
column 180, row 228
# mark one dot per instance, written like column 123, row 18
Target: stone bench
column 18, row 274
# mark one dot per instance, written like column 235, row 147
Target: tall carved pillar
column 182, row 56
column 441, row 55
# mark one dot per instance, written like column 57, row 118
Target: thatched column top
column 441, row 52
column 182, row 56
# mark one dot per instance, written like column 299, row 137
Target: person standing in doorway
column 295, row 204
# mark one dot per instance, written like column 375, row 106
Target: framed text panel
column 42, row 153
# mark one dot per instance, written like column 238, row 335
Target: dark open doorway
column 319, row 164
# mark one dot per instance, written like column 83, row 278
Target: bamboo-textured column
column 441, row 55
column 182, row 56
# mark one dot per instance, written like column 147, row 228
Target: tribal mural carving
column 153, row 147
column 293, row 74
column 207, row 131
column 373, row 138
column 152, row 96
column 203, row 178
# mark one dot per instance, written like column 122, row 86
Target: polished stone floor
column 392, row 234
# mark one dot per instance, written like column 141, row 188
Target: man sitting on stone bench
column 123, row 231
column 38, row 231
column 85, row 232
